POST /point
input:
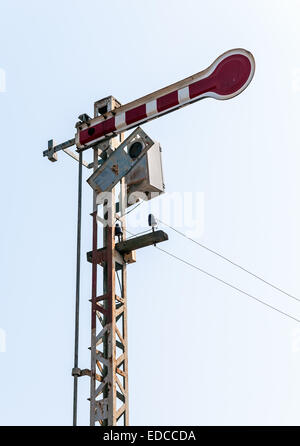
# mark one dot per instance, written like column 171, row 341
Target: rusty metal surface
column 109, row 399
column 127, row 246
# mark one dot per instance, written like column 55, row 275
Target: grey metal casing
column 119, row 163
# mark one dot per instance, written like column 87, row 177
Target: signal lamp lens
column 135, row 149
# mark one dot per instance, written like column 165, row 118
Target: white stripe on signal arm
column 183, row 95
column 120, row 120
column 151, row 108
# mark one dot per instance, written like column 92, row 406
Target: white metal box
column 146, row 176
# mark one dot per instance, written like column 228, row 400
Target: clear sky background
column 199, row 352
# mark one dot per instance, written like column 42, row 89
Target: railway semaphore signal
column 135, row 165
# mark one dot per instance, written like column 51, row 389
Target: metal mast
column 109, row 361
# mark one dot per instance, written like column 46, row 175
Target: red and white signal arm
column 226, row 77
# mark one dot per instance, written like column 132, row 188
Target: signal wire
column 225, row 283
column 231, row 262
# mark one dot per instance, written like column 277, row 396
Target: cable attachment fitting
column 76, row 371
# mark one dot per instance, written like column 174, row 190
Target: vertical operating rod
column 77, row 288
column 94, row 297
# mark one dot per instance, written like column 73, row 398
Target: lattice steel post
column 109, row 360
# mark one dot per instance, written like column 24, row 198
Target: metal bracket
column 76, row 371
column 51, row 153
column 132, row 244
column 76, row 157
column 53, row 149
column 52, row 156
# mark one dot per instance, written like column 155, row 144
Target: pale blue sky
column 199, row 353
